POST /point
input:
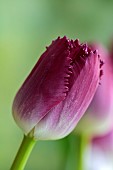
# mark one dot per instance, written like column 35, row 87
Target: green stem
column 77, row 146
column 23, row 153
column 80, row 152
column 82, row 143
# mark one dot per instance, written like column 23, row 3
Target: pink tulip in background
column 100, row 155
column 104, row 143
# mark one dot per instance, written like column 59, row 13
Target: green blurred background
column 26, row 27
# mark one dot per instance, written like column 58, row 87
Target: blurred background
column 26, row 27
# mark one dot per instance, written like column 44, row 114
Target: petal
column 63, row 118
column 45, row 86
column 99, row 114
column 104, row 142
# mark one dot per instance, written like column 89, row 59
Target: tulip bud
column 58, row 90
column 100, row 112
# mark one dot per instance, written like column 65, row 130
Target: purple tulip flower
column 58, row 90
column 100, row 112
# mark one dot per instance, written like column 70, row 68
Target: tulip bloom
column 99, row 114
column 104, row 142
column 58, row 90
column 100, row 156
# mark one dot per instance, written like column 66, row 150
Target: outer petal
column 45, row 87
column 63, row 118
column 100, row 112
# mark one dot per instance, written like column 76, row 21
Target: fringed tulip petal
column 99, row 114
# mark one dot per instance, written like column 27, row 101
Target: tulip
column 100, row 156
column 100, row 112
column 104, row 142
column 58, row 90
